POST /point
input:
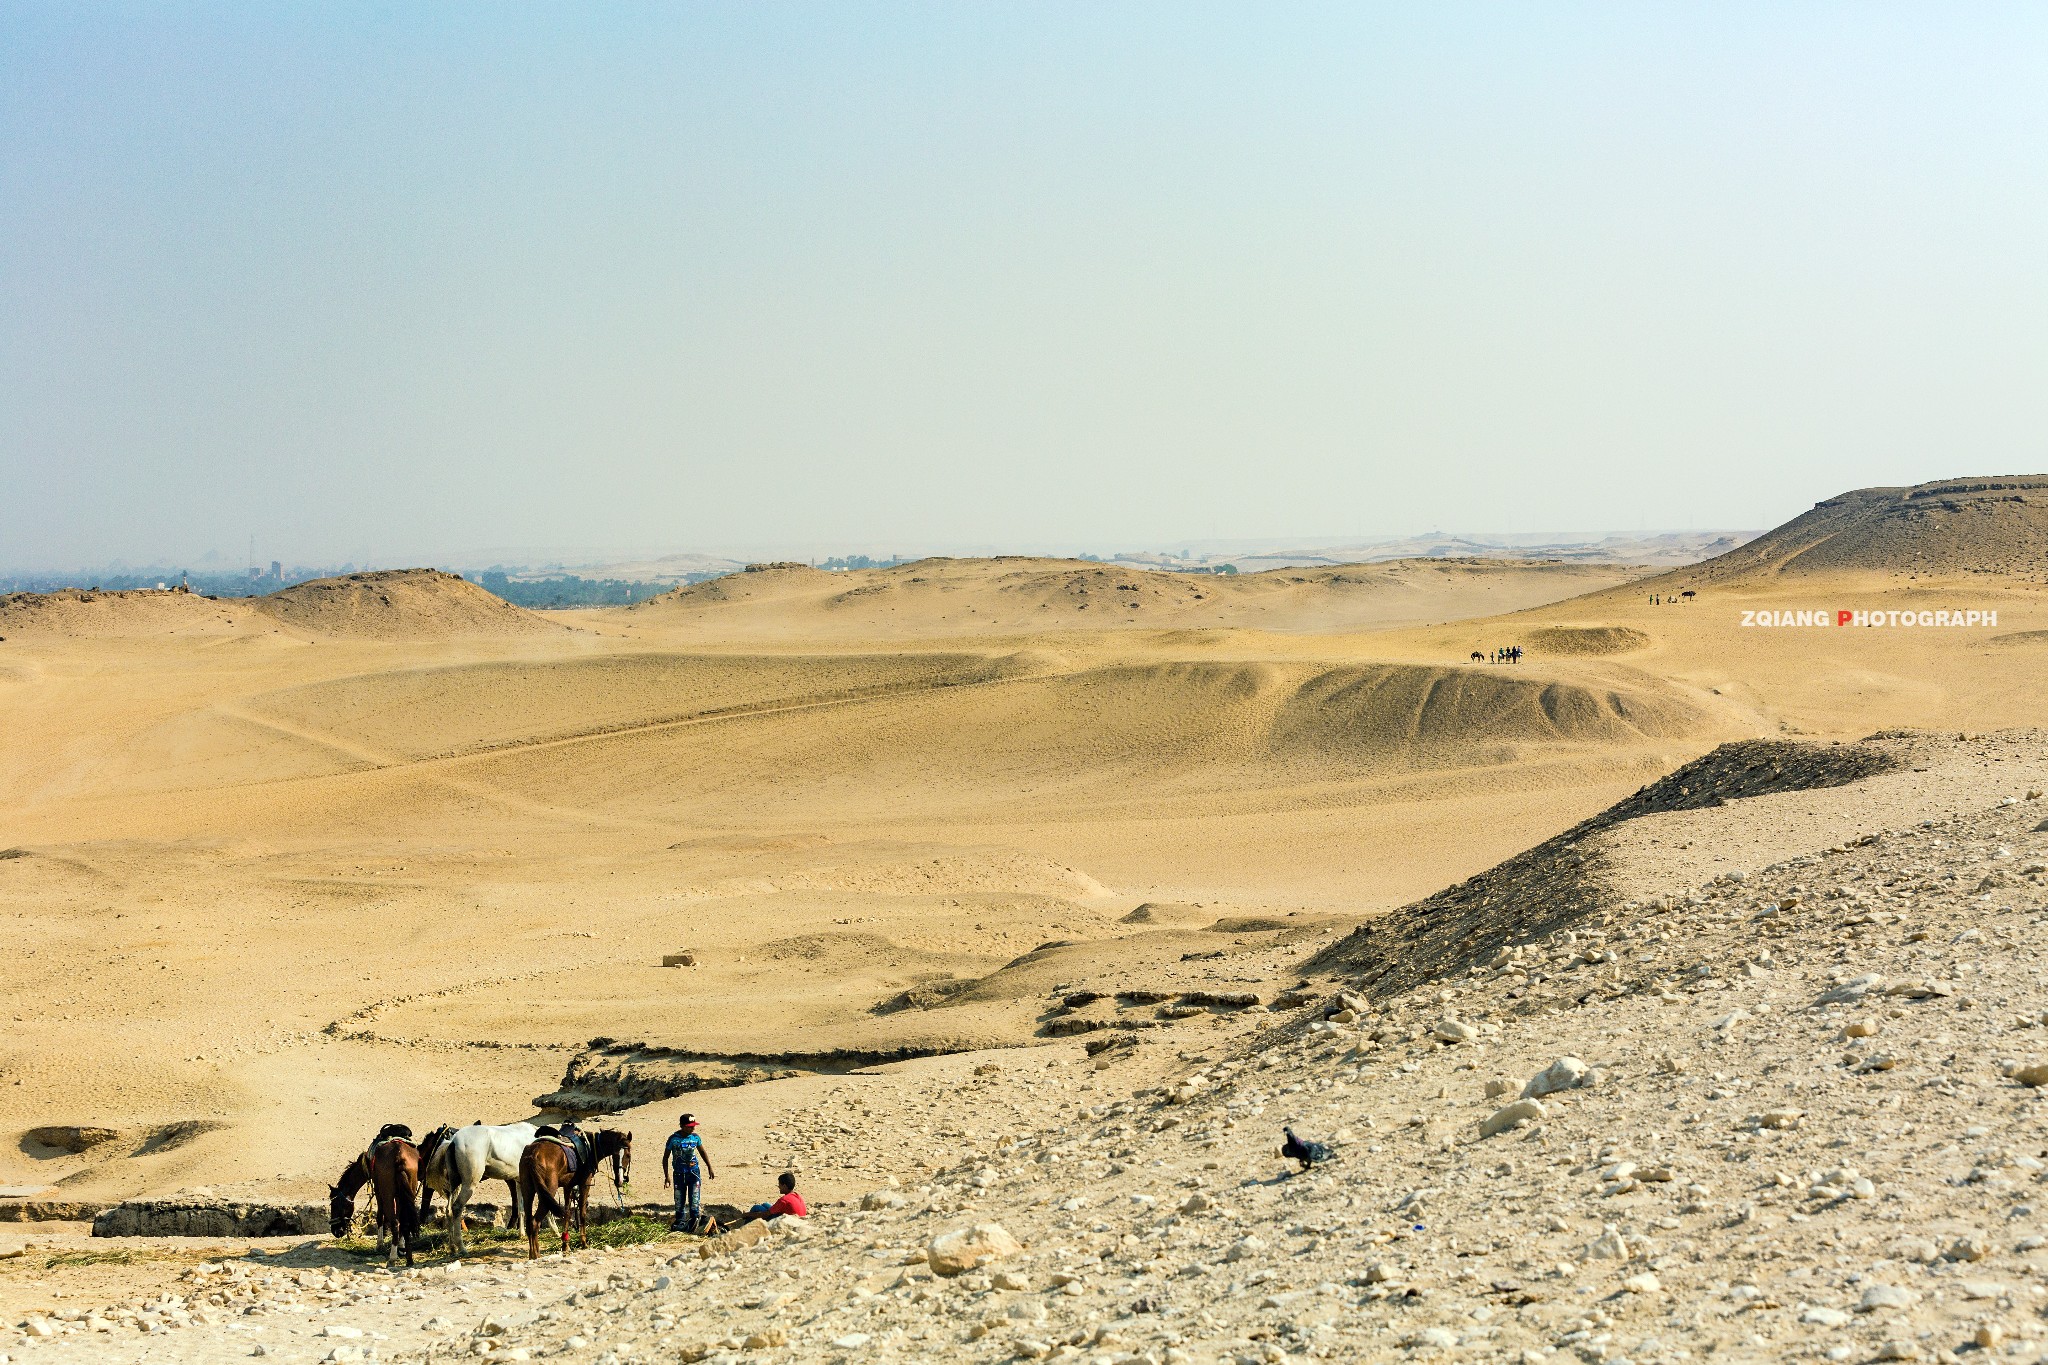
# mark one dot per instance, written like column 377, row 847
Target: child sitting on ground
column 791, row 1203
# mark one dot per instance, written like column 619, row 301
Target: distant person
column 679, row 1158
column 790, row 1205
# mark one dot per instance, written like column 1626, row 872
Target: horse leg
column 458, row 1200
column 525, row 1211
column 512, row 1202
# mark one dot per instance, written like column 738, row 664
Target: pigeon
column 1307, row 1153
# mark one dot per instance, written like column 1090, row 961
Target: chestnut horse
column 391, row 1167
column 544, row 1172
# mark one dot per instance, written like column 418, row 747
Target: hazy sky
column 396, row 280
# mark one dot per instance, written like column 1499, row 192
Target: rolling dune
column 387, row 851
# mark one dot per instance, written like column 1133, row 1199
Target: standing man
column 679, row 1158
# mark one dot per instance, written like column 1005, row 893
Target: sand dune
column 399, row 604
column 91, row 614
column 1023, row 594
column 402, row 851
column 396, row 604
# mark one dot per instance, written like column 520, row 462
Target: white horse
column 470, row 1156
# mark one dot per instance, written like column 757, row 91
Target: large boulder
column 964, row 1249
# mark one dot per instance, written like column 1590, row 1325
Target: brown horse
column 544, row 1174
column 395, row 1174
column 391, row 1167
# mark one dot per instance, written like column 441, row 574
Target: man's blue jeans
column 689, row 1204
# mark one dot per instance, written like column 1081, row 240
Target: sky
column 380, row 280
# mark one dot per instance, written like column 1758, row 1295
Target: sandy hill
column 399, row 604
column 88, row 613
column 1996, row 525
column 1025, row 594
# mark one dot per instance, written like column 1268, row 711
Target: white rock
column 1824, row 1317
column 1610, row 1245
column 1511, row 1116
column 1968, row 1249
column 964, row 1249
column 1454, row 1031
column 1563, row 1074
column 1882, row 1296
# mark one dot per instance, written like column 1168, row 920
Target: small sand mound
column 835, row 952
column 1996, row 525
column 1432, row 715
column 1584, row 640
column 89, row 613
column 399, row 604
column 1166, row 915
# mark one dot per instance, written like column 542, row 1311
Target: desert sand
column 392, row 850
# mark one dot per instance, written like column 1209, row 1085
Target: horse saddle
column 575, row 1147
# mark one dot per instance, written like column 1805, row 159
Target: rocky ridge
column 1794, row 1112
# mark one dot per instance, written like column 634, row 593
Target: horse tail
column 532, row 1189
column 409, row 1188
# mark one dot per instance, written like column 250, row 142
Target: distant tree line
column 861, row 562
column 569, row 590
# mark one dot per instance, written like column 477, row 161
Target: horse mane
column 354, row 1176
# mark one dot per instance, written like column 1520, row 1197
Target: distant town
column 621, row 581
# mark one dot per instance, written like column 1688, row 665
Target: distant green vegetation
column 71, row 1258
column 861, row 562
column 632, row 1230
column 572, row 591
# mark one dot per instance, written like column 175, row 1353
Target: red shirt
column 792, row 1204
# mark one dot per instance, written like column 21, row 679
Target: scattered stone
column 1565, row 1073
column 1969, row 1248
column 2031, row 1073
column 965, row 1249
column 1511, row 1116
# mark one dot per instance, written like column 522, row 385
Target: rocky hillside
column 1954, row 526
column 1792, row 1112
